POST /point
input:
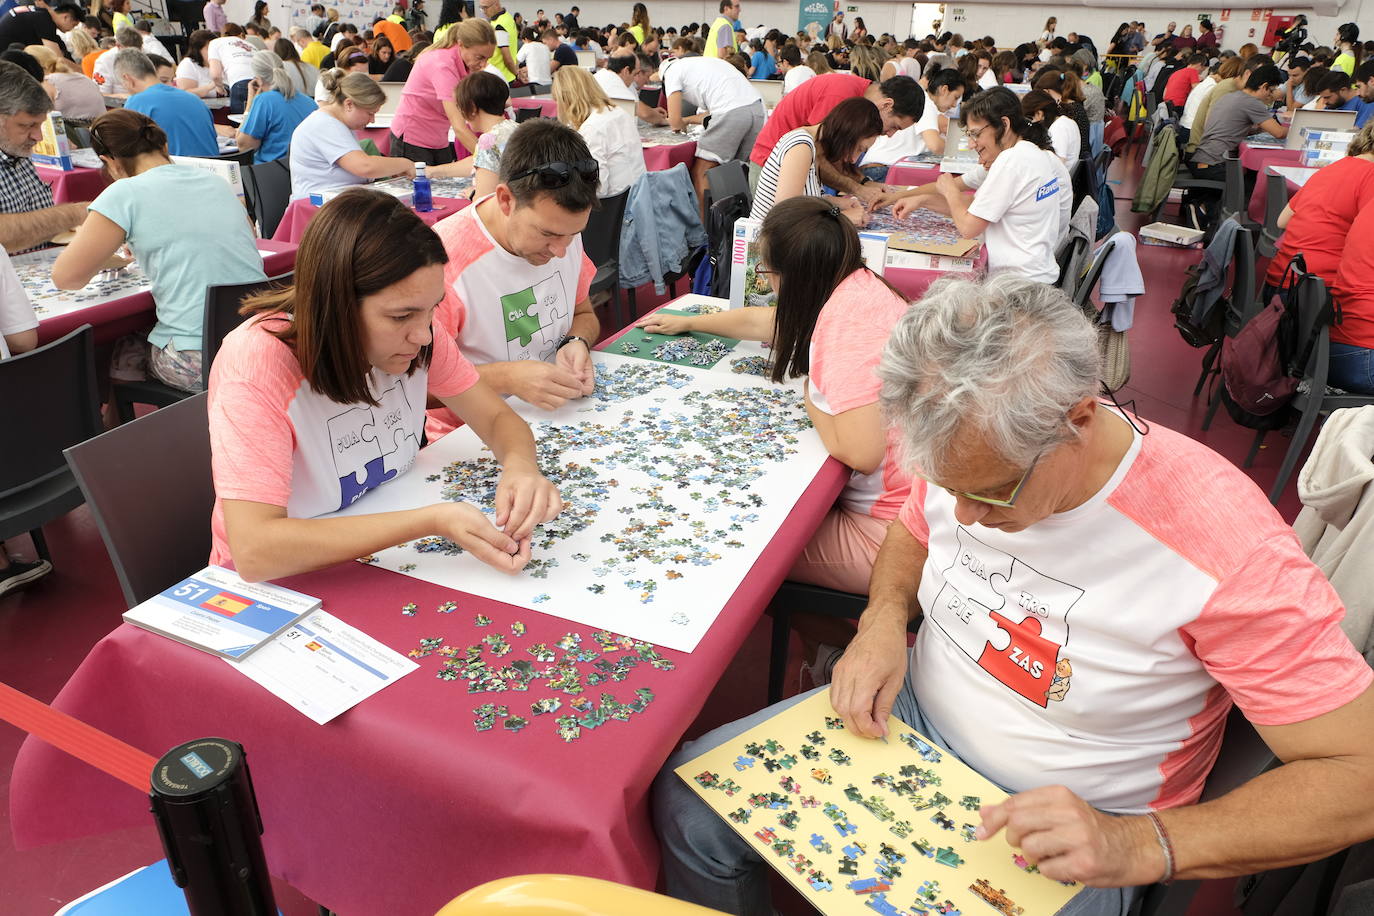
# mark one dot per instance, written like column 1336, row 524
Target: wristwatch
column 569, row 339
column 865, row 179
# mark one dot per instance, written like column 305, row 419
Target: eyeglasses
column 973, row 134
column 1004, row 502
column 557, row 174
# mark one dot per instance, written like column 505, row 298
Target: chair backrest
column 601, row 238
column 727, row 180
column 527, row 114
column 1314, row 313
column 1083, row 294
column 520, row 92
column 1233, row 190
column 51, row 403
column 720, row 237
column 1245, row 302
column 1276, row 198
column 267, row 185
column 1069, row 255
column 150, row 491
column 222, row 303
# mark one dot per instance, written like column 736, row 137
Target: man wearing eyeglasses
column 28, row 216
column 1096, row 593
column 517, row 280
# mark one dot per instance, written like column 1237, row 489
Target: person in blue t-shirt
column 274, row 109
column 763, row 64
column 146, row 208
column 182, row 116
column 1364, row 87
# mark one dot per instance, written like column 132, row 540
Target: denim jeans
column 707, row 863
column 1352, row 368
column 877, row 171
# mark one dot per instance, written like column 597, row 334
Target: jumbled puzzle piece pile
column 568, row 667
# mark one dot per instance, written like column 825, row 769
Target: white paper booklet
column 323, row 667
column 218, row 612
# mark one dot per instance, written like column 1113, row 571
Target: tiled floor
column 46, row 631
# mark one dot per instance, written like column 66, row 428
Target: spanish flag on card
column 226, row 603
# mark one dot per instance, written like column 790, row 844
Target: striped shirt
column 767, row 190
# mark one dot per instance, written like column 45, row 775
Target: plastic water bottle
column 424, row 201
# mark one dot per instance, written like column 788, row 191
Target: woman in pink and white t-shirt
column 831, row 322
column 320, row 396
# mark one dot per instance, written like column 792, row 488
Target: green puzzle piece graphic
column 515, row 309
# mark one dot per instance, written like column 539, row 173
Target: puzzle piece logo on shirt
column 372, row 445
column 1007, row 616
column 521, row 322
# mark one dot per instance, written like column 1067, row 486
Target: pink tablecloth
column 74, row 186
column 301, row 211
column 912, row 173
column 548, row 108
column 398, row 805
column 1255, row 158
column 1259, row 197
column 664, row 157
column 114, row 319
column 913, row 282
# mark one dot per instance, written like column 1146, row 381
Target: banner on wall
column 812, row 17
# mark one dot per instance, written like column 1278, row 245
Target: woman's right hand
column 466, row 526
column 659, row 323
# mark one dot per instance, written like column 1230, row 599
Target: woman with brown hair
column 419, row 129
column 639, row 23
column 832, row 319
column 382, row 56
column 145, row 207
column 346, row 349
column 1067, row 90
column 842, row 138
column 193, row 72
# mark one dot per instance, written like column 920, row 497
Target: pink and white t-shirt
column 275, row 440
column 1102, row 647
column 847, row 343
column 499, row 306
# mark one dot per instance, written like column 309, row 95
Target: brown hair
column 481, row 92
column 124, row 135
column 841, row 131
column 1230, row 68
column 357, row 245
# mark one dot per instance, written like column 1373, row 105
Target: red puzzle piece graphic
column 1026, row 665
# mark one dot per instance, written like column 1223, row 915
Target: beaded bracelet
column 1162, row 835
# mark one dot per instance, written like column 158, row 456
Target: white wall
column 1009, row 23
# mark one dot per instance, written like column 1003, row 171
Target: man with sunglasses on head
column 517, row 280
column 1096, row 592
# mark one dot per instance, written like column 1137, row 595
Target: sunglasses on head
column 558, row 174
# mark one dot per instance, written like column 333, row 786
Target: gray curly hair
column 1005, row 357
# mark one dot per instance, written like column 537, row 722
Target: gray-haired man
column 27, row 215
column 1096, row 593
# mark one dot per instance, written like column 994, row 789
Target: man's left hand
column 1072, row 841
column 577, row 359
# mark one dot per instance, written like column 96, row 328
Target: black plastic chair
column 1314, row 309
column 267, row 188
column 221, row 316
column 726, row 180
column 720, row 234
column 161, row 459
column 601, row 242
column 521, row 92
column 59, row 407
column 798, row 596
column 527, row 114
column 1276, row 198
column 1233, row 196
column 1244, row 304
column 1069, row 252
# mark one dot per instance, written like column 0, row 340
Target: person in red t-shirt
column 900, row 101
column 1183, row 80
column 1317, row 221
column 1352, row 341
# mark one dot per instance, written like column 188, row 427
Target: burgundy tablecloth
column 1259, row 197
column 73, row 186
column 399, row 804
column 301, row 211
column 1255, row 158
column 112, row 320
column 548, row 108
column 912, row 173
column 662, row 158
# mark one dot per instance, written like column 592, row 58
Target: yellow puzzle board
column 832, row 811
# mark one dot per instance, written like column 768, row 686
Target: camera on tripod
column 1292, row 38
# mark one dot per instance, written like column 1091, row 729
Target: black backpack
column 1198, row 334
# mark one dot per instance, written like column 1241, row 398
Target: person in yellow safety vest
column 507, row 36
column 722, row 34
